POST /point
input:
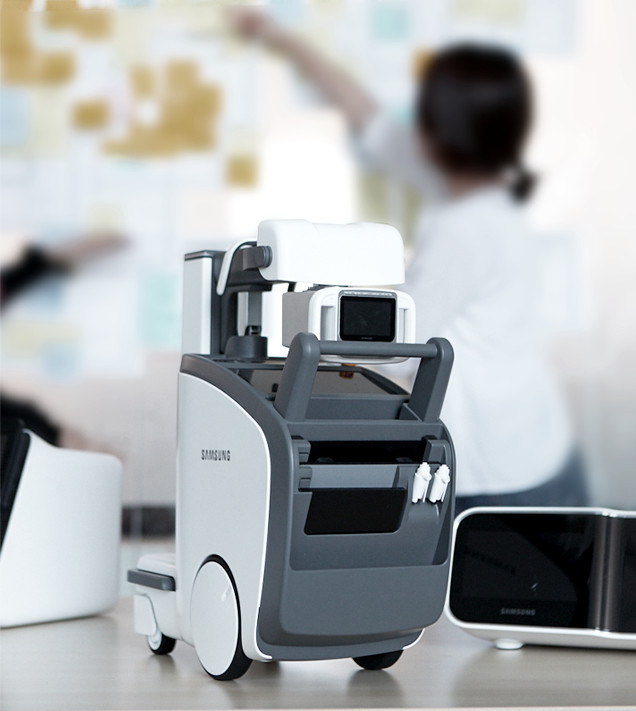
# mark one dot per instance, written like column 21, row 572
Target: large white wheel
column 216, row 622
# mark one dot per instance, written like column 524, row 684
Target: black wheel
column 239, row 665
column 160, row 644
column 378, row 661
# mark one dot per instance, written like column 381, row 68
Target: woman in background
column 472, row 275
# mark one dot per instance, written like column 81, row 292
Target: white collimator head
column 357, row 254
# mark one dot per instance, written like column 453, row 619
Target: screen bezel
column 541, row 613
column 385, row 297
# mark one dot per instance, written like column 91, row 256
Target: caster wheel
column 378, row 661
column 160, row 644
column 216, row 622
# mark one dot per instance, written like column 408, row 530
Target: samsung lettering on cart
column 314, row 496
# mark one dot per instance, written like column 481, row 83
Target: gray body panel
column 353, row 594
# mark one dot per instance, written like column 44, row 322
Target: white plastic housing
column 60, row 555
column 360, row 253
column 318, row 312
column 196, row 317
column 513, row 637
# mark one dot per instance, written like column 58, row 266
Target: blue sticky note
column 160, row 309
column 14, row 117
column 389, row 22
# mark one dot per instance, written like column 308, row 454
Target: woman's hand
column 337, row 85
column 254, row 24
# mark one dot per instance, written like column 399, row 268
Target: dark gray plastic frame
column 356, row 594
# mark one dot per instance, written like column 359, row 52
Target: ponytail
column 522, row 184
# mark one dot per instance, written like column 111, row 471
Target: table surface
column 99, row 663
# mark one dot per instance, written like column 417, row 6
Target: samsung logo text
column 215, row 455
column 518, row 611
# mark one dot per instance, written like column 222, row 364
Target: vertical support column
column 198, row 293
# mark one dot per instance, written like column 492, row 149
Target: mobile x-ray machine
column 314, row 496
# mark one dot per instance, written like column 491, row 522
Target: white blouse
column 473, row 279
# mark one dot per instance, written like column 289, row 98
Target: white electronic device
column 349, row 315
column 60, row 536
column 314, row 499
column 553, row 576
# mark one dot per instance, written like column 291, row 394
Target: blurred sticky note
column 207, row 17
column 49, row 124
column 88, row 115
column 61, row 14
column 419, row 63
column 28, row 339
column 290, row 12
column 132, row 35
column 198, row 134
column 56, row 67
column 14, row 31
column 389, row 21
column 21, row 69
column 94, row 23
column 14, row 117
column 181, row 74
column 143, row 80
column 373, row 197
column 160, row 309
column 241, row 171
column 206, row 98
column 509, row 12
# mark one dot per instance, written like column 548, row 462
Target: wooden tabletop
column 99, row 663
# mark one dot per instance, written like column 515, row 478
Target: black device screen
column 524, row 569
column 367, row 318
column 14, row 447
column 343, row 511
column 626, row 608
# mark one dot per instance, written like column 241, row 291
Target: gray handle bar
column 299, row 372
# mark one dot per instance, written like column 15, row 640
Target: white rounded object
column 508, row 644
column 357, row 254
column 214, row 617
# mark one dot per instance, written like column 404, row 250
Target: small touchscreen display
column 367, row 318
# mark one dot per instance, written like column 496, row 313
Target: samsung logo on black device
column 215, row 455
column 518, row 611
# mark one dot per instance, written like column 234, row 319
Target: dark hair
column 475, row 109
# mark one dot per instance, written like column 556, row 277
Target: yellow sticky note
column 206, row 98
column 90, row 114
column 143, row 78
column 199, row 135
column 180, row 74
column 94, row 23
column 56, row 67
column 61, row 14
column 21, row 69
column 241, row 171
column 14, row 31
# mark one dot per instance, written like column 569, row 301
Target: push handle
column 429, row 389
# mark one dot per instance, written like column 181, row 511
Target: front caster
column 378, row 661
column 160, row 644
column 216, row 622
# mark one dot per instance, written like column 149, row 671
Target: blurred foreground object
column 60, row 530
column 29, row 268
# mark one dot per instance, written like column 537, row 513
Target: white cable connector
column 441, row 480
column 421, row 481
